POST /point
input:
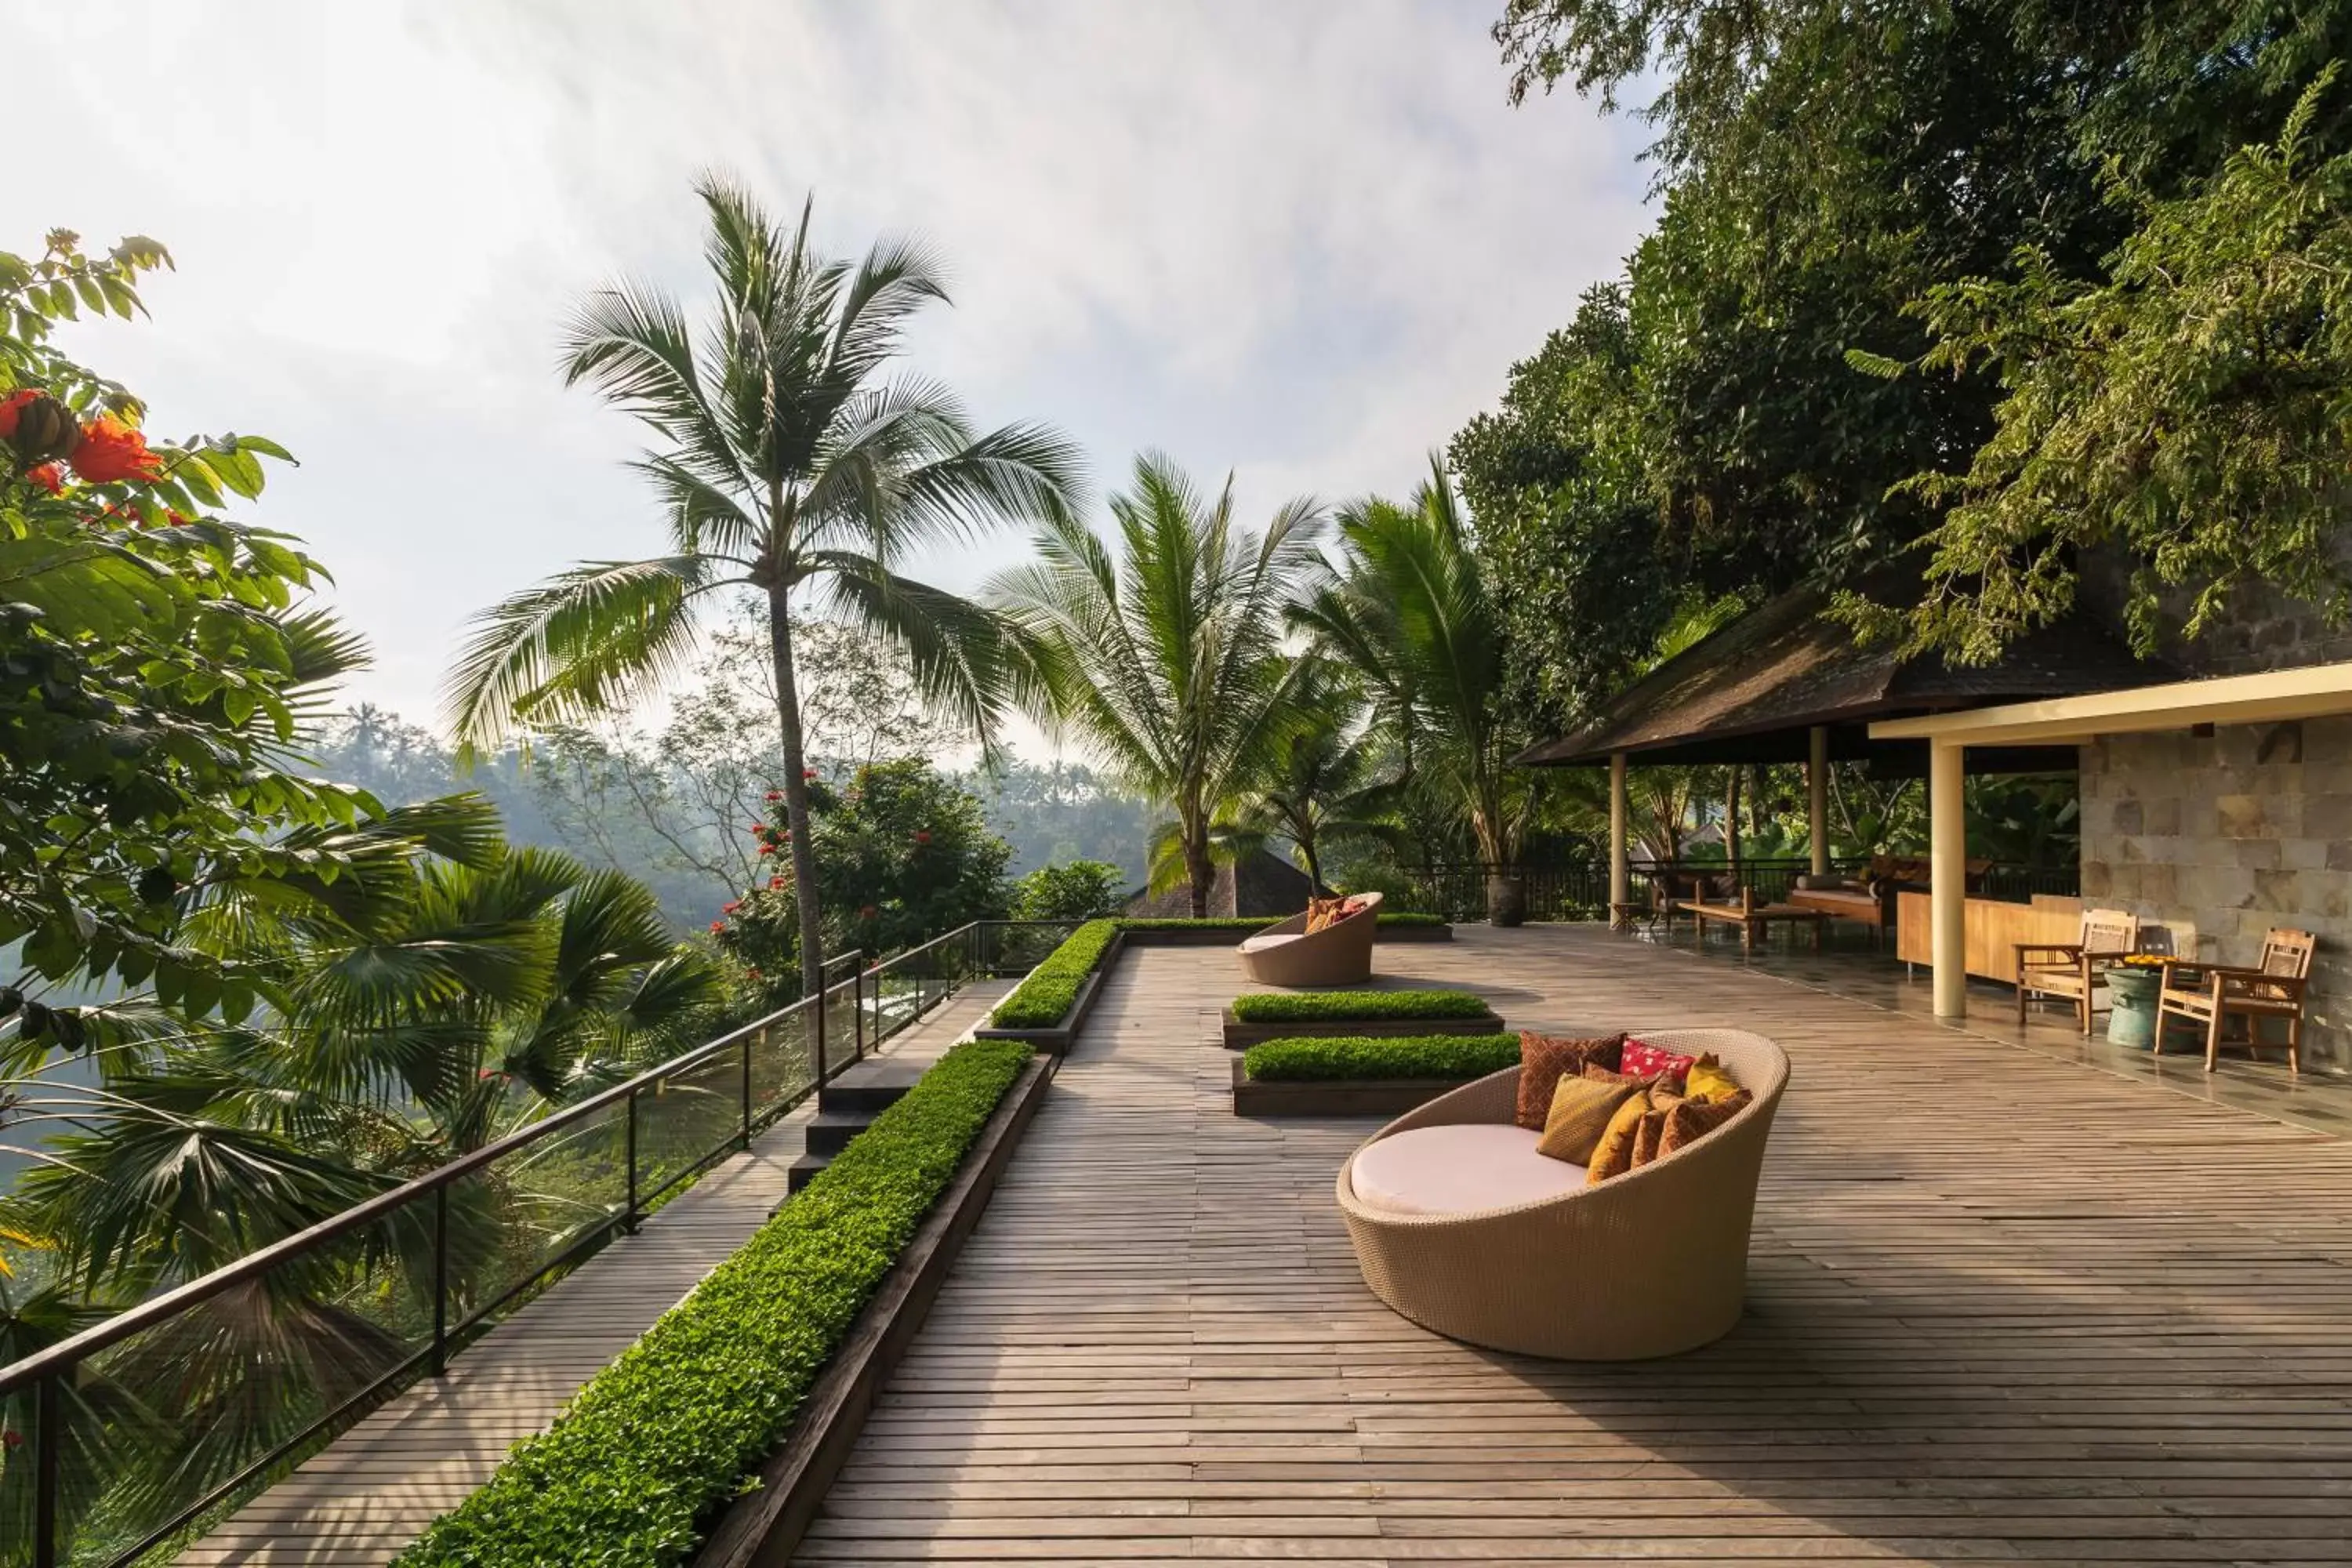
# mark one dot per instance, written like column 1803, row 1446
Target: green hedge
column 1044, row 998
column 1292, row 1006
column 639, row 1465
column 1453, row 1057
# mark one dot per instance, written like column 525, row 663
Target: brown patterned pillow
column 1581, row 1110
column 1542, row 1058
column 1695, row 1118
column 1599, row 1074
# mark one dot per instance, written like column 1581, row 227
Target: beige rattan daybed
column 1339, row 955
column 1649, row 1263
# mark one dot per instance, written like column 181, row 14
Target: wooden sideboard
column 1993, row 929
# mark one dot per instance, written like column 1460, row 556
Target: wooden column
column 1817, row 797
column 1948, row 878
column 1621, row 873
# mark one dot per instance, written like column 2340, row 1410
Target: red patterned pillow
column 1653, row 1061
column 1542, row 1060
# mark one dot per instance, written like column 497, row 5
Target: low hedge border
column 653, row 1446
column 1290, row 1006
column 1325, row 1058
column 1044, row 999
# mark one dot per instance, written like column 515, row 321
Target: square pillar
column 1620, row 872
column 1817, row 797
column 1948, row 876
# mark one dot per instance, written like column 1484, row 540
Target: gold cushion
column 1707, row 1080
column 1581, row 1108
column 1694, row 1120
column 1543, row 1058
column 1613, row 1155
column 1323, row 914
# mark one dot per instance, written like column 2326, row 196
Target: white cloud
column 1303, row 242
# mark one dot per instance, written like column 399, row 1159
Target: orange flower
column 49, row 477
column 110, row 451
column 12, row 407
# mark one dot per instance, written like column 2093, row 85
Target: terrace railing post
column 822, row 994
column 746, row 1089
column 629, row 1158
column 440, row 1280
column 48, row 1432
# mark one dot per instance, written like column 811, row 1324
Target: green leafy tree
column 787, row 464
column 1165, row 662
column 1069, row 890
column 903, row 854
column 2193, row 408
column 1412, row 612
column 160, row 660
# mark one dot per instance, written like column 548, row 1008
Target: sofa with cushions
column 1463, row 1222
column 1329, row 944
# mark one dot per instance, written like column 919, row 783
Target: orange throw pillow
column 1694, row 1120
column 1613, row 1155
column 1542, row 1060
column 1323, row 914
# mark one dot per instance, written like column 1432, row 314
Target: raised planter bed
column 1241, row 1036
column 1334, row 1097
column 1055, row 1039
column 766, row 1523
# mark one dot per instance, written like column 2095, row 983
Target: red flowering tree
column 903, row 854
column 157, row 656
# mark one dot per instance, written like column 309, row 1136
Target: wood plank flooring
column 2002, row 1307
column 375, row 1488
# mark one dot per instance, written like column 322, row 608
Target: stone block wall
column 2234, row 833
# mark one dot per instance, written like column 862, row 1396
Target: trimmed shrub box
column 1046, row 1008
column 1261, row 1016
column 1362, row 1075
column 655, row 1445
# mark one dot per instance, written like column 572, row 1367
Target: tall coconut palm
column 785, row 460
column 1327, row 781
column 1410, row 611
column 1166, row 661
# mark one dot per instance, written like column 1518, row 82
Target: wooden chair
column 2074, row 970
column 2208, row 996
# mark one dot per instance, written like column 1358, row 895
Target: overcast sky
column 1301, row 242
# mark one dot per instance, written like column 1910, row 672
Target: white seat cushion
column 1263, row 943
column 1459, row 1170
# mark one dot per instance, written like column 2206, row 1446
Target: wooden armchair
column 2209, row 996
column 2074, row 970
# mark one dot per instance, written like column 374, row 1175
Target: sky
column 1297, row 243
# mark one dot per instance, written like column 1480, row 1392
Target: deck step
column 831, row 1130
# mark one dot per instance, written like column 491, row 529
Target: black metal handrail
column 49, row 1370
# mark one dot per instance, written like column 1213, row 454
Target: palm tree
column 1326, row 781
column 1411, row 612
column 783, row 460
column 445, row 1005
column 1167, row 662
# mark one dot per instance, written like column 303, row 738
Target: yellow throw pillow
column 1581, row 1109
column 1322, row 914
column 1613, row 1155
column 1708, row 1082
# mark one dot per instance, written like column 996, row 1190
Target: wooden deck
column 2002, row 1307
column 375, row 1487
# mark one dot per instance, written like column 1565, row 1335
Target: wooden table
column 1752, row 919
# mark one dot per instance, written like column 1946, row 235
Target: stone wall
column 2235, row 832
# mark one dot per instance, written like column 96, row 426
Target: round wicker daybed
column 1649, row 1263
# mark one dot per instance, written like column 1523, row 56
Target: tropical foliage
column 1164, row 661
column 1068, row 890
column 787, row 463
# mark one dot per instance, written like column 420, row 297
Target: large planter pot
column 2131, row 1020
column 1506, row 899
